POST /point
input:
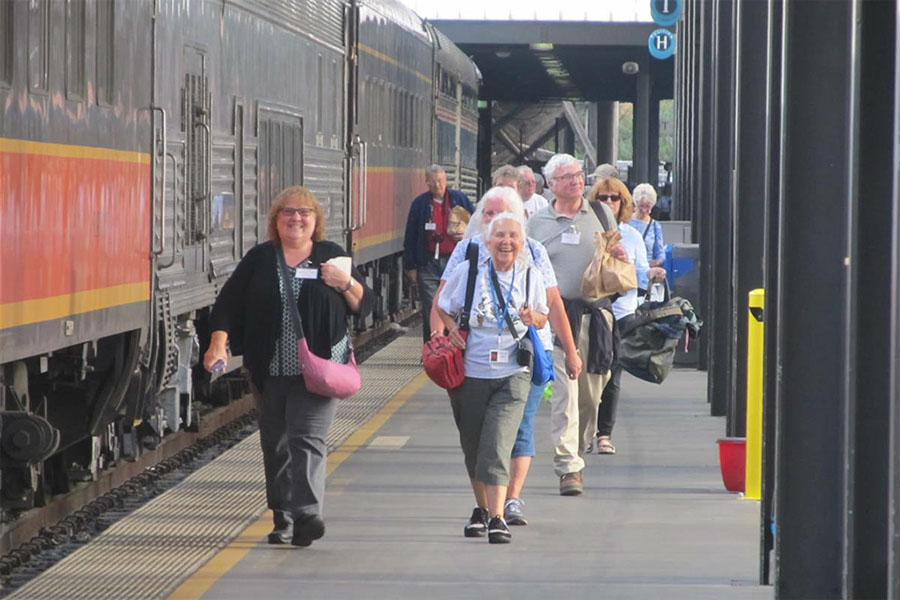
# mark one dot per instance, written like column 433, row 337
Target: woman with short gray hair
column 644, row 196
column 509, row 296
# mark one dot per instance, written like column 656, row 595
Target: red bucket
column 732, row 461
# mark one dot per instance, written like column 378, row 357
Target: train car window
column 104, row 77
column 38, row 51
column 469, row 98
column 6, row 42
column 75, row 53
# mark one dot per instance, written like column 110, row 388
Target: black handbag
column 649, row 339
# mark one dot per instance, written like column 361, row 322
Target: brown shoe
column 570, row 484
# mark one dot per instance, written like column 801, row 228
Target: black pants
column 293, row 426
column 606, row 413
column 428, row 277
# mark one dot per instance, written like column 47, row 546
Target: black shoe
column 307, row 528
column 498, row 532
column 478, row 523
column 284, row 527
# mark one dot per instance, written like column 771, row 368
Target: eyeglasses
column 570, row 177
column 303, row 211
column 609, row 197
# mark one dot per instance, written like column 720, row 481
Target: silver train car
column 141, row 144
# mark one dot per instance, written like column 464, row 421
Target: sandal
column 604, row 446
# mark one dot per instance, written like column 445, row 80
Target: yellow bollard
column 753, row 471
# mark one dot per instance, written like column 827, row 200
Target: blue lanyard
column 501, row 318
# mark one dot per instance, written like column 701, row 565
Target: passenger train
column 141, row 143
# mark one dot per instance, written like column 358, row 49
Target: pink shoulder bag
column 321, row 375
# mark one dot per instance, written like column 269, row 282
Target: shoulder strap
column 472, row 257
column 509, row 323
column 647, row 228
column 292, row 300
column 601, row 214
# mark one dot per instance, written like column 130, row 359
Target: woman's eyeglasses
column 303, row 211
column 609, row 197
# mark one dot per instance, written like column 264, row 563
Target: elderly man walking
column 531, row 201
column 427, row 246
column 566, row 229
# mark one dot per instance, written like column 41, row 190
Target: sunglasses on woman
column 609, row 197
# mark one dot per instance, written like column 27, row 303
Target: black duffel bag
column 649, row 339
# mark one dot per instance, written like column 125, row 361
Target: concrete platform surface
column 654, row 522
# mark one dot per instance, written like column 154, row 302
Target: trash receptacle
column 683, row 272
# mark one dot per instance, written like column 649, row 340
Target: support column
column 653, row 145
column 872, row 398
column 772, row 213
column 813, row 337
column 701, row 229
column 485, row 145
column 750, row 165
column 720, row 330
column 566, row 137
column 641, row 130
column 604, row 130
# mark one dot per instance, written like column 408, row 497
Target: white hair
column 559, row 160
column 645, row 193
column 524, row 170
column 512, row 203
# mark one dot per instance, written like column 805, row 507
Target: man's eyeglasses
column 570, row 177
column 303, row 211
column 609, row 197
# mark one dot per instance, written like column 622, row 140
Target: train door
column 280, row 158
column 196, row 119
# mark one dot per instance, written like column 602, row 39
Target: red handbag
column 443, row 362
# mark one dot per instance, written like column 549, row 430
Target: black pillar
column 869, row 437
column 720, row 330
column 702, row 225
column 485, row 142
column 812, row 300
column 604, row 128
column 653, row 144
column 641, row 130
column 770, row 268
column 566, row 137
column 750, row 167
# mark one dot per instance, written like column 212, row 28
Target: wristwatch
column 349, row 286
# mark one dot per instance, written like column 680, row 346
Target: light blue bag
column 542, row 364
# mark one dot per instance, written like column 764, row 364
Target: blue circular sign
column 661, row 44
column 666, row 12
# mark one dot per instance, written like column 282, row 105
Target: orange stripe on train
column 71, row 223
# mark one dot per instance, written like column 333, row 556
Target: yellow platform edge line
column 196, row 585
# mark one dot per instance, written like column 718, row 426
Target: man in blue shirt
column 427, row 246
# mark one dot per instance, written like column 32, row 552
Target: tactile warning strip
column 148, row 553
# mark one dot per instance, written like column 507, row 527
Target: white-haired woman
column 644, row 196
column 495, row 201
column 488, row 406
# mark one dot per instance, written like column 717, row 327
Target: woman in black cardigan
column 253, row 314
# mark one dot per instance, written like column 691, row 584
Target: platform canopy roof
column 534, row 61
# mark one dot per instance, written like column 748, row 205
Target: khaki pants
column 573, row 406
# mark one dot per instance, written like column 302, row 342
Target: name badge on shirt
column 430, row 226
column 571, row 238
column 306, row 273
column 498, row 357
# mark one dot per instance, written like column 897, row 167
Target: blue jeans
column 524, row 445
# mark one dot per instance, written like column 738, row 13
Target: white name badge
column 430, row 226
column 306, row 273
column 571, row 239
column 498, row 357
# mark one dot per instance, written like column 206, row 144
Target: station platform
column 654, row 521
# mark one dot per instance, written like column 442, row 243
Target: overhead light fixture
column 502, row 53
column 541, row 46
column 630, row 68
